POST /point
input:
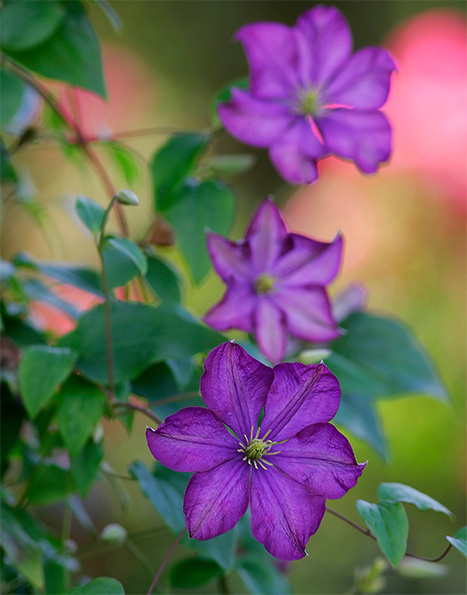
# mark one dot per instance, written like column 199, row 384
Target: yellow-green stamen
column 256, row 448
column 309, row 102
column 264, row 283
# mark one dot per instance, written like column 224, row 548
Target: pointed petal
column 254, row 121
column 364, row 81
column 299, row 396
column 320, row 457
column 309, row 262
column 264, row 235
column 326, row 43
column 217, row 499
column 284, row 513
column 234, row 385
column 235, row 310
column 308, row 313
column 295, row 152
column 362, row 137
column 230, row 259
column 193, row 439
column 271, row 52
column 270, row 329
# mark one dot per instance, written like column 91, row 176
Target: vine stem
column 165, row 560
column 368, row 533
column 140, row 408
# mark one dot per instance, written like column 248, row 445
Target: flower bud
column 127, row 197
column 114, row 533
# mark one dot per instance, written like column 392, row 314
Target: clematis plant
column 309, row 96
column 283, row 466
column 276, row 283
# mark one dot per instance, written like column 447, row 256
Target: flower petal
column 230, row 259
column 270, row 329
column 300, row 396
column 326, row 43
column 308, row 313
column 217, row 499
column 235, row 310
column 284, row 513
column 364, row 81
column 271, row 52
column 193, row 439
column 234, row 385
column 254, row 121
column 362, row 137
column 320, row 457
column 309, row 262
column 264, row 235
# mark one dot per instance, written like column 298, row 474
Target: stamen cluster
column 256, row 448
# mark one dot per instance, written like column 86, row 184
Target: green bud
column 114, row 533
column 127, row 197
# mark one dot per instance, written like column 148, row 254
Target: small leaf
column 174, row 162
column 123, row 260
column 388, row 523
column 131, row 250
column 402, row 493
column 211, row 204
column 163, row 279
column 459, row 541
column 99, row 586
column 90, row 213
column 85, row 465
column 80, row 406
column 48, row 484
column 41, row 370
column 193, row 572
column 261, row 577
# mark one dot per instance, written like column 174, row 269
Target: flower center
column 256, row 448
column 264, row 283
column 309, row 102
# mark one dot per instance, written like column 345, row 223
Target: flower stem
column 165, row 560
column 140, row 408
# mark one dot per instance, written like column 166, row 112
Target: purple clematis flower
column 309, row 96
column 283, row 468
column 275, row 283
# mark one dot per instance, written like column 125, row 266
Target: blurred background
column 404, row 232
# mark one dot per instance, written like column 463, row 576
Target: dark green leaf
column 231, row 165
column 99, row 586
column 80, row 406
column 163, row 279
column 11, row 418
column 41, row 370
column 221, row 549
column 90, row 213
column 12, row 94
column 49, row 483
column 261, row 577
column 211, row 204
column 224, row 95
column 131, row 251
column 141, row 335
column 25, row 25
column 123, row 260
column 164, row 492
column 379, row 357
column 55, row 576
column 402, row 493
column 388, row 523
column 85, row 465
column 193, row 572
column 174, row 162
column 71, row 54
column 459, row 541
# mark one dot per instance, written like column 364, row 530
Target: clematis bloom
column 309, row 96
column 275, row 283
column 284, row 468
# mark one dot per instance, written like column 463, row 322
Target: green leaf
column 41, row 371
column 99, row 586
column 261, row 577
column 126, row 161
column 388, row 523
column 379, row 357
column 221, row 549
column 163, row 279
column 174, row 162
column 80, row 406
column 211, row 204
column 402, row 493
column 193, row 572
column 224, row 95
column 231, row 165
column 459, row 541
column 25, row 25
column 90, row 213
column 48, row 484
column 71, row 54
column 85, row 465
column 55, row 576
column 123, row 260
column 141, row 335
column 12, row 95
